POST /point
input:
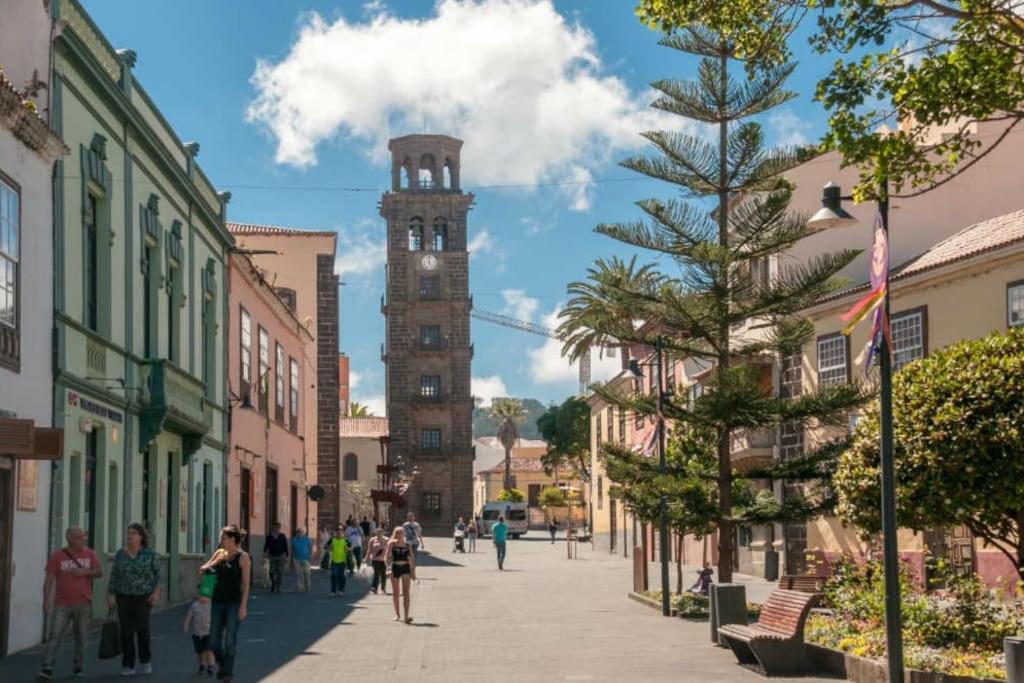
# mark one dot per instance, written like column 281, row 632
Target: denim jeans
column 500, row 547
column 337, row 578
column 277, row 566
column 61, row 617
column 224, row 636
column 355, row 557
column 472, row 543
column 133, row 616
column 380, row 572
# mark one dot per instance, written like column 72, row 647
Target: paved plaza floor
column 545, row 618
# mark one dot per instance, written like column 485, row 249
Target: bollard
column 1013, row 648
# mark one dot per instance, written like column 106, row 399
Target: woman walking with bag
column 401, row 562
column 134, row 588
column 377, row 550
column 229, row 606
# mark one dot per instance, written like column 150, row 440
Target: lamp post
column 666, row 609
column 831, row 215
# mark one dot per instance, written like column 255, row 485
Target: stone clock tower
column 427, row 349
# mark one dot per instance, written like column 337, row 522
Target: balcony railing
column 419, row 397
column 749, row 441
column 172, row 397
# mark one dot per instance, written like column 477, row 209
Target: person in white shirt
column 354, row 536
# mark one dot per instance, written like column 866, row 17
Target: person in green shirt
column 499, row 532
column 337, row 547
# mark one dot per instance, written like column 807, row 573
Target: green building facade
column 140, row 315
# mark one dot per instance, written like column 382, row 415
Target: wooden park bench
column 775, row 644
column 804, row 584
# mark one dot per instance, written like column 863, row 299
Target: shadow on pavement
column 425, row 559
column 280, row 627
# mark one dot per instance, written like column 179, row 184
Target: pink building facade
column 267, row 457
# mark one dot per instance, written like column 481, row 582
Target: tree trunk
column 508, row 468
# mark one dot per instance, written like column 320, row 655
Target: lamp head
column 831, row 214
column 634, row 368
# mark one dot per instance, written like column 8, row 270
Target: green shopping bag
column 206, row 586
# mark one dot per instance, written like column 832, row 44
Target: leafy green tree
column 959, row 436
column 510, row 495
column 566, row 429
column 508, row 413
column 552, row 497
column 484, row 425
column 922, row 63
column 717, row 302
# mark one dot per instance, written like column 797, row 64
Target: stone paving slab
column 544, row 619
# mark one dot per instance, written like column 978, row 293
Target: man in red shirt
column 67, row 597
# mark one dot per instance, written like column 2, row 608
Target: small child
column 197, row 624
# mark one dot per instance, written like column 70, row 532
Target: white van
column 516, row 517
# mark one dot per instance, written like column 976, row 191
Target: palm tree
column 508, row 413
column 357, row 409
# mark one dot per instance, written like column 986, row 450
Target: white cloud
column 375, row 404
column 788, row 129
column 360, row 250
column 523, row 85
column 354, row 378
column 488, row 388
column 533, row 226
column 484, row 242
column 519, row 305
column 548, row 366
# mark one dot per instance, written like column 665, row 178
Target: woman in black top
column 401, row 563
column 228, row 608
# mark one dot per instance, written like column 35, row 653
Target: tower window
column 430, row 386
column 416, row 234
column 430, row 439
column 430, row 336
column 430, row 287
column 440, row 235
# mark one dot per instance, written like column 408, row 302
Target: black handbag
column 110, row 637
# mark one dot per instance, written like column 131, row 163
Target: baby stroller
column 460, row 541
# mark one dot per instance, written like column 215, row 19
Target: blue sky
column 292, row 101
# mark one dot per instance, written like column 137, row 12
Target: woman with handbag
column 230, row 597
column 134, row 588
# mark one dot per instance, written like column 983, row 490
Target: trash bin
column 771, row 565
column 1013, row 648
column 728, row 606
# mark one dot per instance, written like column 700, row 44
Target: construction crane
column 541, row 330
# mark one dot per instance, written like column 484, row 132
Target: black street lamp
column 666, row 609
column 831, row 215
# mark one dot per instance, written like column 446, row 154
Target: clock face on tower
column 429, row 262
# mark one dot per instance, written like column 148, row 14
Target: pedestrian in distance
column 302, row 550
column 413, row 533
column 366, row 528
column 377, row 552
column 197, row 625
column 499, row 533
column 230, row 603
column 460, row 536
column 401, row 563
column 134, row 587
column 553, row 528
column 472, row 531
column 354, row 536
column 275, row 547
column 337, row 552
column 67, row 599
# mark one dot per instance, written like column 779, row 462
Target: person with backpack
column 67, row 598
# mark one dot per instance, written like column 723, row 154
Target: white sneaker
column 146, row 668
column 127, row 671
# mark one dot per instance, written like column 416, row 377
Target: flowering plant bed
column 953, row 635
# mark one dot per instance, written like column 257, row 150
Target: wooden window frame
column 293, row 394
column 1010, row 286
column 10, row 356
column 245, row 354
column 846, row 356
column 923, row 311
column 263, row 370
column 279, row 356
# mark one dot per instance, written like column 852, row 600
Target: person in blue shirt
column 302, row 549
column 499, row 532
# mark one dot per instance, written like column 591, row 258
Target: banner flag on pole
column 871, row 303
